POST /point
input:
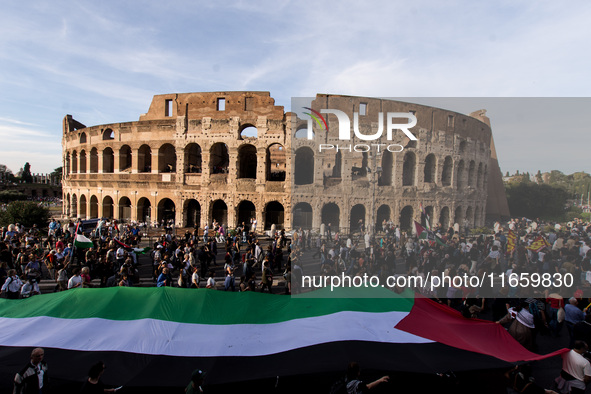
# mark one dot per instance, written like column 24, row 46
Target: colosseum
column 231, row 156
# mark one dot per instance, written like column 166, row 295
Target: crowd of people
column 243, row 262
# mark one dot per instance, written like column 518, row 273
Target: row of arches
column 166, row 210
column 303, row 216
column 166, row 160
column 434, row 170
column 246, row 131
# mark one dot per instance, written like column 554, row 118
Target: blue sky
column 103, row 61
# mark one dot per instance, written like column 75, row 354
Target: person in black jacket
column 32, row 379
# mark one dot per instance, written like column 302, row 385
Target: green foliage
column 26, row 213
column 532, row 200
column 11, row 195
column 57, row 173
column 574, row 212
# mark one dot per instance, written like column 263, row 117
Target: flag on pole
column 82, row 242
column 538, row 244
column 430, row 236
column 130, row 248
column 511, row 238
column 424, row 217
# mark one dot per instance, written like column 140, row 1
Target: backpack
column 339, row 387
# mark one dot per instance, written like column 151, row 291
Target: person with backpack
column 12, row 285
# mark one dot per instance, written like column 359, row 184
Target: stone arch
column 125, row 158
column 406, row 218
column 304, row 166
column 68, row 204
column 93, row 207
column 108, row 134
column 429, row 170
column 193, row 158
column 248, row 131
column 274, row 214
column 276, row 163
column 479, row 177
column 94, row 160
column 385, row 178
column 462, row 147
column 219, row 159
column 144, row 159
column 302, row 216
column 108, row 160
column 477, row 217
column 427, row 217
column 166, row 210
column 219, row 212
column 245, row 211
column 82, row 168
column 444, row 218
column 144, row 210
column 247, row 161
column 471, row 174
column 108, row 207
column 331, row 214
column 74, row 162
column 447, row 171
column 192, row 211
column 83, row 207
column 166, row 159
column 302, row 132
column 408, row 169
column 83, row 138
column 460, row 175
column 459, row 216
column 382, row 214
column 74, row 206
column 68, row 163
column 124, row 208
column 357, row 213
column 470, row 217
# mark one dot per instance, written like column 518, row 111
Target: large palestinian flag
column 157, row 336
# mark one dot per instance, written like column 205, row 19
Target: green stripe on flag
column 203, row 306
column 82, row 242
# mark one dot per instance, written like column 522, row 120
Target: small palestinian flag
column 154, row 336
column 82, row 242
column 129, row 248
column 428, row 235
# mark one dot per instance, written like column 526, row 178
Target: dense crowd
column 193, row 260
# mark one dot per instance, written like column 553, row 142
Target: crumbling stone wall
column 232, row 156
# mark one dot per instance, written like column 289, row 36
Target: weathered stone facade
column 230, row 156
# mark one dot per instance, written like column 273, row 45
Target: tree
column 26, row 213
column 57, row 174
column 6, row 174
column 533, row 200
column 12, row 195
column 26, row 176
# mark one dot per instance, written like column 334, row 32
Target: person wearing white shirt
column 12, row 285
column 76, row 280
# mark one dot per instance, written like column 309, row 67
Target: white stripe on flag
column 159, row 337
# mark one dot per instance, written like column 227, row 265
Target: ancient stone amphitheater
column 235, row 156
